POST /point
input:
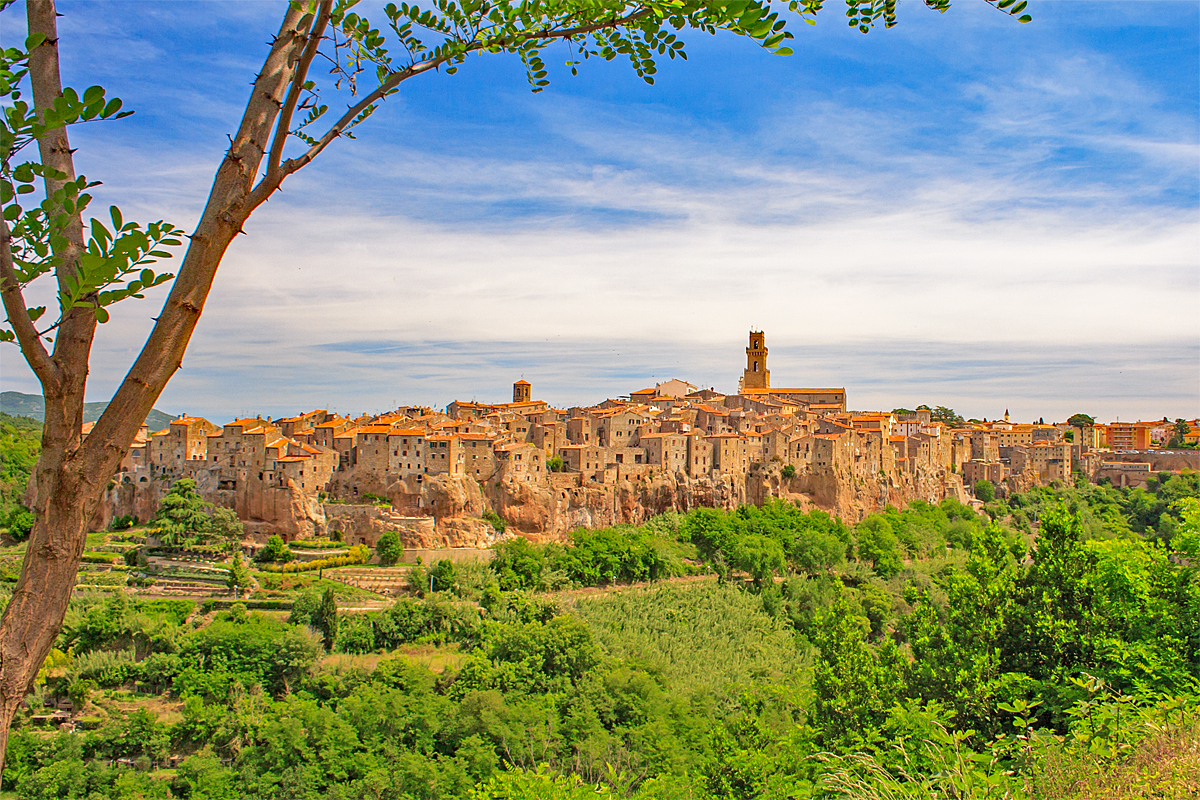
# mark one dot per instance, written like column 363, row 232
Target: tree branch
column 73, row 342
column 18, row 314
column 224, row 214
column 270, row 182
column 289, row 107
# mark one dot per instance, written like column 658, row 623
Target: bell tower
column 756, row 376
column 522, row 390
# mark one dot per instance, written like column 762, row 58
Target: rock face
column 287, row 512
column 549, row 511
column 443, row 511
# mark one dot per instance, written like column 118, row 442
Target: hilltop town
column 438, row 477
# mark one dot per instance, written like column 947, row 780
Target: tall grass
column 700, row 636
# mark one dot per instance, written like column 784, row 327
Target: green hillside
column 927, row 652
column 20, row 441
column 31, row 405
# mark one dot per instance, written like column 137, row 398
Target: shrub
column 239, row 574
column 493, row 519
column 375, row 499
column 123, row 523
column 304, row 609
column 443, row 575
column 19, row 523
column 877, row 543
column 789, row 471
column 275, row 551
column 315, row 544
column 389, row 548
column 355, row 634
column 177, row 610
column 326, row 618
column 359, row 554
column 99, row 558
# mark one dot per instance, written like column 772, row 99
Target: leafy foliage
column 20, row 443
column 388, row 548
column 980, row 670
column 116, row 262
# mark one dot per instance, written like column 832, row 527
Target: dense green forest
column 1047, row 649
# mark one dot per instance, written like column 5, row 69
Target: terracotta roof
column 244, row 422
column 774, row 390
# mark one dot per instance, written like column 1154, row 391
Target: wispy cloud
column 912, row 219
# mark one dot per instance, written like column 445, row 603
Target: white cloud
column 869, row 232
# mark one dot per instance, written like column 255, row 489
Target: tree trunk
column 72, row 473
column 65, row 502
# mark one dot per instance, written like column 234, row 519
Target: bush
column 315, row 544
column 19, row 523
column 99, row 558
column 239, row 575
column 123, row 523
column 389, row 548
column 304, row 609
column 985, row 491
column 375, row 499
column 275, row 551
column 789, row 471
column 359, row 554
column 877, row 543
column 493, row 519
column 443, row 575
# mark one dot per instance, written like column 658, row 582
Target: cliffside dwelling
column 674, row 431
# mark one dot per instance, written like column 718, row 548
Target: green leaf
column 101, row 315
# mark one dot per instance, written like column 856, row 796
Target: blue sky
column 960, row 211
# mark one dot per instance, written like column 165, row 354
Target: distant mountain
column 31, row 405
